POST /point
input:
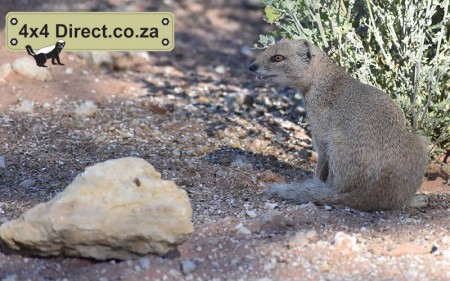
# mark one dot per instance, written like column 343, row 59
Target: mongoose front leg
column 321, row 171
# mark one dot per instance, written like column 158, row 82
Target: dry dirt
column 201, row 120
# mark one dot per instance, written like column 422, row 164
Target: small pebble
column 2, row 162
column 251, row 213
column 5, row 70
column 243, row 230
column 68, row 71
column 188, row 266
column 344, row 242
column 137, row 268
column 328, row 208
column 144, row 263
column 308, row 205
column 26, row 183
column 86, row 109
column 220, row 69
column 270, row 206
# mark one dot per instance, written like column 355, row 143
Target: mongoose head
column 288, row 62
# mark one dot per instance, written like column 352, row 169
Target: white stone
column 25, row 106
column 188, row 266
column 144, row 263
column 220, row 69
column 5, row 70
column 309, row 205
column 86, row 109
column 344, row 242
column 27, row 67
column 270, row 206
column 243, row 230
column 118, row 209
column 251, row 213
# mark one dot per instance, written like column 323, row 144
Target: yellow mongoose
column 367, row 159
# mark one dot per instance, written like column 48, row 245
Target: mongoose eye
column 276, row 58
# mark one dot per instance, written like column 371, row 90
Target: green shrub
column 400, row 46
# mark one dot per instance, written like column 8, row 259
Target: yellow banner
column 91, row 31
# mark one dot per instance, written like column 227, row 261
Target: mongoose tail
column 311, row 190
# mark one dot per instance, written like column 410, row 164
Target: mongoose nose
column 253, row 67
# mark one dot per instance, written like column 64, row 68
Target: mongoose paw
column 419, row 201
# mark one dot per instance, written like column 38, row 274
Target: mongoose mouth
column 263, row 77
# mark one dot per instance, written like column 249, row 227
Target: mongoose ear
column 305, row 50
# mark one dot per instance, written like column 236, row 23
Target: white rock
column 270, row 206
column 220, row 69
column 27, row 67
column 25, row 106
column 241, row 229
column 244, row 231
column 188, row 266
column 68, row 71
column 118, row 209
column 142, row 55
column 309, row 205
column 144, row 263
column 344, row 242
column 86, row 109
column 251, row 213
column 5, row 70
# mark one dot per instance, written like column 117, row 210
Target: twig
column 378, row 38
column 441, row 136
column 320, row 26
column 297, row 24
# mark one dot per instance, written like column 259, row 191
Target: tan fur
column 367, row 159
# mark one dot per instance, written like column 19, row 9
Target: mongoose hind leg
column 419, row 200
